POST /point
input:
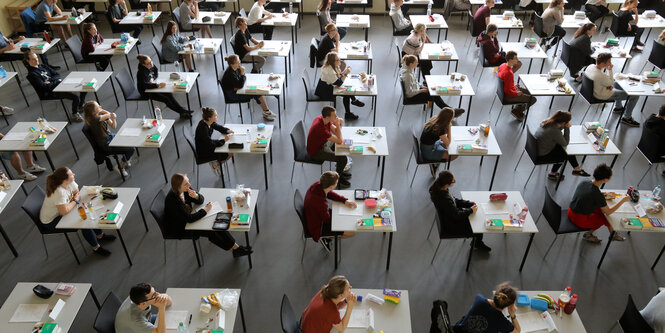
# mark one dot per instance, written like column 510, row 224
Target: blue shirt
column 483, row 318
column 3, row 43
column 43, row 7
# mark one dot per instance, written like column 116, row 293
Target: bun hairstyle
column 504, row 296
column 334, row 288
column 142, row 58
column 409, row 59
column 232, row 59
column 207, row 112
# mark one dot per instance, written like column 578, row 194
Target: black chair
column 175, row 15
column 299, row 206
column 128, row 88
column 407, row 101
column 74, row 43
column 313, row 51
column 444, row 234
column 158, row 213
column 538, row 30
column 531, row 148
column 105, row 320
column 501, row 94
column 288, row 317
column 440, row 318
column 558, row 220
column 586, row 91
column 322, row 24
column 649, row 149
column 657, row 56
column 614, row 28
column 227, row 104
column 572, row 58
column 482, row 61
column 156, row 44
column 32, row 206
column 310, row 96
column 298, row 141
column 197, row 162
column 100, row 156
column 419, row 158
column 399, row 63
column 43, row 99
column 631, row 320
column 242, row 13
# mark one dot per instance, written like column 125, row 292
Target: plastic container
column 564, row 298
column 3, row 72
column 290, row 7
column 655, row 193
column 630, row 190
column 47, row 38
column 158, row 115
column 570, row 307
column 182, row 328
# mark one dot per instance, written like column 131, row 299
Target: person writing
column 91, row 39
column 206, row 145
column 317, row 213
column 15, row 160
column 146, row 78
column 116, row 11
column 552, row 19
column 628, row 17
column 323, row 12
column 589, row 206
column 62, row 196
column 242, row 48
column 454, row 213
column 552, row 137
column 189, row 11
column 172, row 43
column 512, row 95
column 322, row 313
column 180, row 211
column 490, row 43
column 481, row 19
column 582, row 44
column 332, row 75
column 416, row 92
column 325, row 132
column 258, row 15
column 436, row 137
column 487, row 313
column 402, row 25
column 234, row 79
column 99, row 121
column 135, row 312
column 45, row 13
column 329, row 43
column 414, row 44
column 604, row 88
column 655, row 131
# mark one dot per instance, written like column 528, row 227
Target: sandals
column 591, row 238
column 581, row 173
column 618, row 238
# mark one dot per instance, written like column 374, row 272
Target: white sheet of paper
column 56, row 309
column 578, row 138
column 161, row 128
column 174, row 318
column 72, row 80
column 499, row 208
column 15, row 136
column 625, row 208
column 130, row 131
column 532, row 322
column 344, row 210
column 29, row 313
column 3, row 194
column 360, row 318
column 465, row 136
column 118, row 207
column 216, row 208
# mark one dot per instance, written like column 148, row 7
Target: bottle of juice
column 570, row 307
column 149, row 9
column 82, row 213
column 564, row 298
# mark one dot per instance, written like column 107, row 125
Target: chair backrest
column 538, row 26
column 440, row 318
column 157, row 210
column 500, row 93
column 552, row 211
column 416, row 149
column 531, row 146
column 33, row 205
column 126, row 84
column 299, row 206
column 470, row 25
column 100, row 155
column 305, row 81
column 190, row 142
column 401, row 84
column 74, row 43
column 565, row 54
column 649, row 145
column 113, row 25
column 586, row 91
column 298, row 141
column 614, row 26
column 242, row 13
column 322, row 23
column 632, row 321
column 657, row 56
column 399, row 55
column 313, row 51
column 288, row 317
column 176, row 16
column 157, row 45
column 105, row 321
column 481, row 56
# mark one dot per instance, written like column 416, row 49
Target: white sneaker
column 7, row 110
column 128, row 164
column 349, row 162
column 76, row 117
column 122, row 171
column 27, row 176
column 216, row 167
column 35, row 168
column 268, row 115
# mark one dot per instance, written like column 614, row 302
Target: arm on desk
column 350, row 303
column 607, row 210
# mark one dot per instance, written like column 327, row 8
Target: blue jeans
column 433, row 152
column 126, row 151
column 88, row 234
column 619, row 95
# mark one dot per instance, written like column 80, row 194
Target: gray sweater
column 411, row 85
column 551, row 17
column 551, row 136
column 171, row 46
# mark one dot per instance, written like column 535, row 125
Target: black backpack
column 440, row 318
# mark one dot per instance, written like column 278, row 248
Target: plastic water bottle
column 429, row 9
column 655, row 193
column 182, row 328
column 3, row 72
column 177, row 65
column 158, row 114
column 74, row 12
column 290, row 7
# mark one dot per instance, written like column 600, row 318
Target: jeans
column 619, row 95
column 637, row 32
column 77, row 100
column 433, row 152
column 327, row 153
column 126, row 151
column 88, row 234
column 524, row 98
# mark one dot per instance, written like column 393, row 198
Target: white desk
column 633, row 88
column 215, row 44
column 219, row 195
column 361, row 50
column 439, row 23
column 141, row 18
column 581, row 145
column 22, row 129
column 354, row 21
column 570, row 22
column 499, row 209
column 526, row 53
column 33, row 44
column 391, row 318
column 569, row 323
column 616, row 51
column 626, row 211
column 245, row 134
column 435, row 52
column 190, row 77
column 371, row 138
column 285, row 20
column 71, row 20
column 353, row 86
column 275, row 48
column 461, row 135
column 268, row 87
column 22, row 294
column 129, row 136
column 3, row 81
column 343, row 223
column 284, row 4
column 216, row 18
column 189, row 299
column 539, row 85
column 352, row 3
column 5, row 197
column 657, row 22
column 435, row 81
column 105, row 50
column 508, row 24
column 75, row 80
column 158, row 2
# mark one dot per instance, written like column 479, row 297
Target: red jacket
column 316, row 208
column 88, row 44
column 506, row 74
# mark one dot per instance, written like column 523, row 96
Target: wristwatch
column 513, row 317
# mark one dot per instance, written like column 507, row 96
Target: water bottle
column 290, row 7
column 158, row 115
column 570, row 307
column 655, row 193
column 429, row 9
column 177, row 65
column 564, row 298
column 3, row 72
column 182, row 328
column 74, row 13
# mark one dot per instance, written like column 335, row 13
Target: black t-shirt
column 325, row 46
column 429, row 136
column 587, row 198
column 483, row 318
column 624, row 18
column 240, row 40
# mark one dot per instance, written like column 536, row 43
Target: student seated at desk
column 486, row 316
column 656, row 126
column 551, row 143
column 146, row 78
column 116, row 12
column 205, row 145
column 661, row 38
column 323, row 12
column 512, row 95
column 329, row 43
column 44, row 79
column 595, row 9
column 189, row 10
column 628, row 23
column 402, row 25
column 91, row 39
column 322, row 313
column 589, row 207
column 552, row 19
column 325, row 132
column 258, row 15
column 415, row 92
column 481, row 19
column 604, row 88
column 99, row 121
column 492, row 50
column 135, row 314
column 317, row 213
column 44, row 13
column 436, row 137
column 7, row 44
column 582, row 44
column 234, row 79
column 242, row 48
column 333, row 75
column 180, row 211
column 454, row 213
column 173, row 42
column 62, row 196
column 31, row 167
column 654, row 313
column 414, row 44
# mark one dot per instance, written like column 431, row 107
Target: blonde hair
column 418, row 28
column 330, row 60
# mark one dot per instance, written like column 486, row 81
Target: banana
column 548, row 298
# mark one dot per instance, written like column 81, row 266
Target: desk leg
column 242, row 314
column 96, row 97
column 383, row 168
column 122, row 241
column 256, row 217
column 279, row 112
column 642, row 109
column 494, row 172
column 658, row 258
column 529, row 69
column 175, row 140
column 542, row 64
column 152, row 27
column 374, row 110
column 11, row 246
column 161, row 160
column 508, row 35
column 438, row 35
column 249, row 256
column 468, row 261
column 572, row 99
column 468, row 110
column 72, row 142
column 129, row 66
column 265, row 171
column 293, row 42
column 551, row 102
column 62, row 52
column 270, row 154
column 606, row 247
column 114, row 93
column 48, row 157
column 390, row 247
column 94, row 298
column 18, row 82
column 226, row 47
column 519, row 38
column 448, row 68
column 214, row 57
column 289, row 60
column 526, row 253
column 198, row 92
column 142, row 215
column 336, row 247
column 366, row 34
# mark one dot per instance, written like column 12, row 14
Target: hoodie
column 657, row 126
column 491, row 47
column 506, row 74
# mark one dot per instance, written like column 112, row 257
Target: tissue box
column 579, row 15
column 508, row 14
column 555, row 73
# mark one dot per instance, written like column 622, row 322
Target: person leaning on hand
column 135, row 313
column 322, row 313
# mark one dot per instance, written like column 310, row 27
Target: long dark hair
column 559, row 117
column 583, row 29
column 441, row 121
column 323, row 4
column 56, row 179
column 445, row 177
column 167, row 33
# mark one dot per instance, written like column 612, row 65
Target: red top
column 318, row 135
column 88, row 44
column 320, row 315
column 316, row 208
column 506, row 74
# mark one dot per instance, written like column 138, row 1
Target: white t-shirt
column 255, row 13
column 61, row 196
column 654, row 313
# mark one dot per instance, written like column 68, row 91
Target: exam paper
column 498, row 208
column 532, row 322
column 3, row 194
column 174, row 318
column 216, row 208
column 130, row 131
column 29, row 313
column 344, row 210
column 360, row 318
column 72, row 80
column 15, row 136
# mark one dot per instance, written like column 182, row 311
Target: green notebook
column 49, row 327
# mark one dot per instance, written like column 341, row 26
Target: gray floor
column 277, row 269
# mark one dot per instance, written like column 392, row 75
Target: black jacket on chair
column 177, row 214
column 38, row 77
column 205, row 144
column 144, row 77
column 454, row 213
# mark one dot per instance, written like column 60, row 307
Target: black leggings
column 222, row 239
column 169, row 100
column 559, row 153
column 425, row 97
column 347, row 103
column 135, row 29
column 558, row 32
column 77, row 100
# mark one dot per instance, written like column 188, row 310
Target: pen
column 190, row 320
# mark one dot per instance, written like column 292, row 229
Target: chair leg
column 72, row 248
column 631, row 156
column 587, row 111
column 531, row 173
column 400, row 115
column 293, row 167
column 409, row 160
column 45, row 248
column 645, row 174
column 435, row 251
column 304, row 246
column 430, row 228
column 196, row 251
column 549, row 248
column 414, row 175
column 518, row 161
column 78, row 235
column 499, row 116
column 164, row 251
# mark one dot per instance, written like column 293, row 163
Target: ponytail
column 334, row 288
column 56, row 179
column 504, row 296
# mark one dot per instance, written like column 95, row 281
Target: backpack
column 440, row 318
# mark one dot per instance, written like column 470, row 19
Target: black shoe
column 482, row 246
column 630, row 122
column 325, row 243
column 619, row 109
column 458, row 112
column 106, row 238
column 102, row 252
column 345, row 175
column 242, row 251
column 186, row 114
column 581, row 173
column 518, row 114
column 350, row 116
column 138, row 42
column 358, row 103
column 663, row 173
column 343, row 183
column 556, row 177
